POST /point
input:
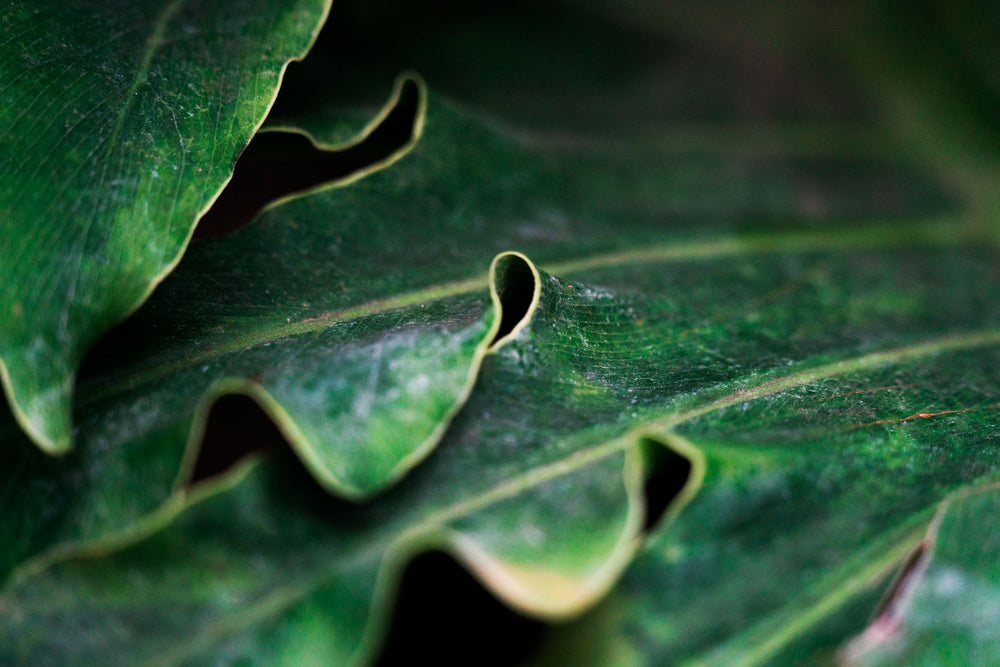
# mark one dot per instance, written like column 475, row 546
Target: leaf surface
column 650, row 335
column 120, row 123
column 533, row 502
column 944, row 608
column 811, row 498
column 298, row 573
column 296, row 308
column 816, row 333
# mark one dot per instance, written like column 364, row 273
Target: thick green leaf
column 812, row 495
column 945, row 609
column 286, row 572
column 533, row 499
column 714, row 343
column 120, row 122
column 805, row 327
column 292, row 309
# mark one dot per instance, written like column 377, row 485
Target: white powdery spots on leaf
column 948, row 582
column 418, row 384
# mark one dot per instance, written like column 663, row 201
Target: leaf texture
column 803, row 314
column 643, row 343
column 943, row 609
column 120, row 123
column 292, row 563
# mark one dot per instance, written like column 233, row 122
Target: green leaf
column 120, row 124
column 362, row 359
column 944, row 609
column 292, row 309
column 812, row 496
column 267, row 568
column 803, row 314
column 533, row 500
column 750, row 353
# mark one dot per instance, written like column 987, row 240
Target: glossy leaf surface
column 806, row 316
column 656, row 342
column 298, row 573
column 380, row 354
column 306, row 290
column 119, row 123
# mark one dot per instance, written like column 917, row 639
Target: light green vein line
column 850, row 579
column 433, row 293
column 936, row 232
column 309, row 325
column 181, row 501
column 933, row 233
column 142, row 73
column 887, row 357
column 584, row 457
column 152, row 46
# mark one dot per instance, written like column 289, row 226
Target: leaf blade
column 76, row 204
